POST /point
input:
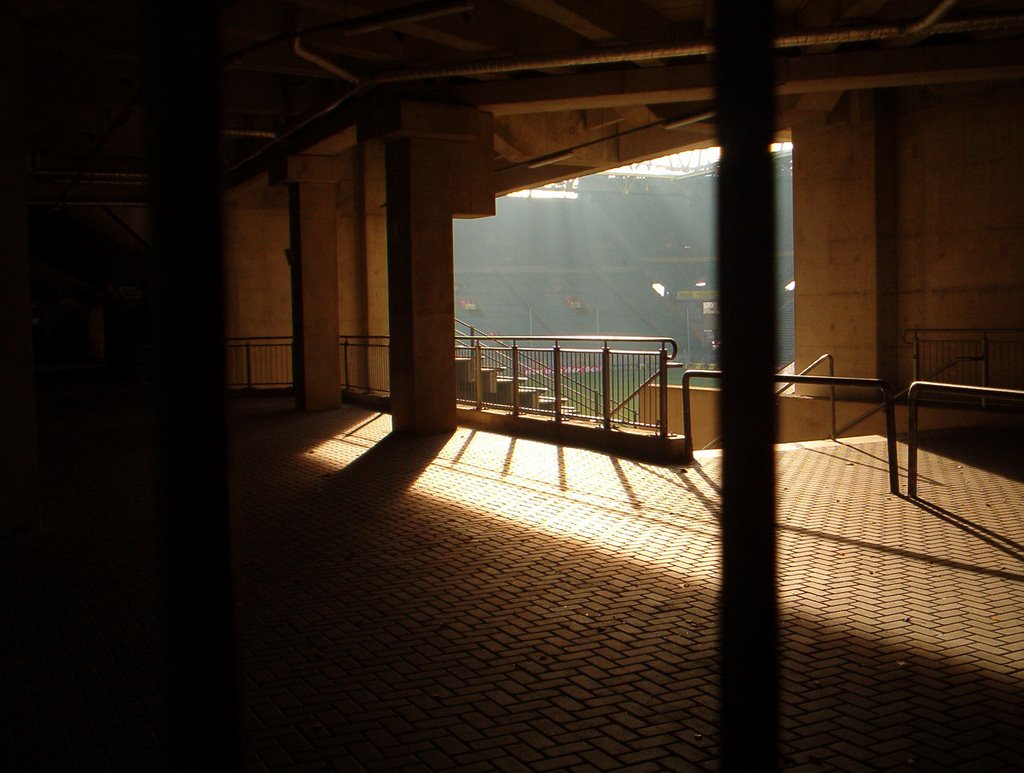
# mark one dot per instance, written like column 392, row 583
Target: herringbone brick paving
column 477, row 602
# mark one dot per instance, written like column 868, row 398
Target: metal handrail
column 827, row 357
column 982, row 330
column 583, row 393
column 913, row 396
column 605, row 350
column 903, row 393
column 840, row 381
column 603, row 339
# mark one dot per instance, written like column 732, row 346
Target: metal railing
column 259, row 362
column 365, row 364
column 540, row 367
column 970, row 356
column 786, row 385
column 834, row 381
column 580, row 377
column 914, row 398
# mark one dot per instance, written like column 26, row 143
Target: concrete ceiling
column 601, row 78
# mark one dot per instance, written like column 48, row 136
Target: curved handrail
column 826, row 357
column 913, row 396
column 843, row 381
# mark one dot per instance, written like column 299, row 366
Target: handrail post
column 557, row 363
column 515, row 377
column 912, row 441
column 248, row 366
column 344, row 353
column 832, row 395
column 478, row 373
column 890, row 439
column 687, row 422
column 984, row 366
column 606, row 386
column 663, row 393
column 917, row 356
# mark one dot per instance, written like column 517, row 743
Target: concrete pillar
column 375, row 235
column 18, row 450
column 421, row 288
column 438, row 166
column 312, row 198
column 352, row 318
column 845, row 177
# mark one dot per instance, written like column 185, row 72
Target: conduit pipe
column 839, row 36
column 921, row 25
column 261, row 134
column 326, row 64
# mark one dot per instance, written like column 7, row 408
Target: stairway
column 497, row 389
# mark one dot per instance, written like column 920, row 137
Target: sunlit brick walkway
column 477, row 602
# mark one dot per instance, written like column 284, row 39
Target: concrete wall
column 257, row 278
column 961, row 208
column 907, row 214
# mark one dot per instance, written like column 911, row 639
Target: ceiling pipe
column 553, row 158
column 62, row 175
column 83, row 203
column 262, row 134
column 326, row 64
column 689, row 120
column 927, row 25
column 361, row 25
column 929, row 19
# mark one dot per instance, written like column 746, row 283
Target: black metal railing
column 914, row 397
column 590, row 378
column 834, row 381
column 259, row 362
column 365, row 364
column 988, row 357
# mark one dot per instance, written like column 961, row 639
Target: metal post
column 744, row 80
column 984, row 366
column 912, row 442
column 663, row 392
column 344, row 353
column 515, row 378
column 558, row 382
column 182, row 67
column 478, row 372
column 606, row 386
column 917, row 357
column 890, row 440
column 248, row 366
column 687, row 421
column 832, row 397
column 687, row 334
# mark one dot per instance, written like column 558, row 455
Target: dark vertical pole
column 295, row 264
column 182, row 111
column 744, row 83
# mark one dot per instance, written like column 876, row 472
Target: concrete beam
column 306, row 169
column 794, row 75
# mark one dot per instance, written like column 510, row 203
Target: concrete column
column 18, row 450
column 375, row 235
column 313, row 219
column 352, row 319
column 845, row 179
column 421, row 288
column 438, row 166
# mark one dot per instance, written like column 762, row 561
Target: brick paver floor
column 479, row 602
